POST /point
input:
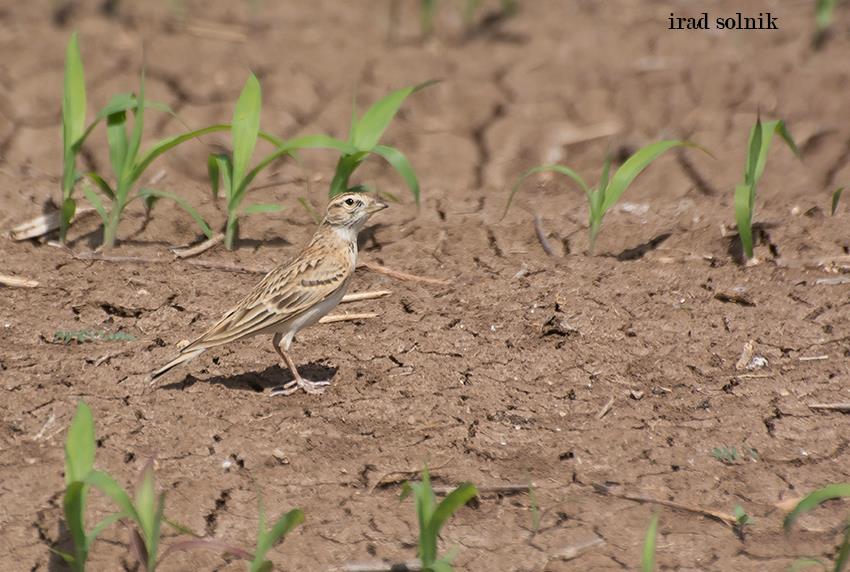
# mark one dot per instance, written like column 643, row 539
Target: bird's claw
column 311, row 387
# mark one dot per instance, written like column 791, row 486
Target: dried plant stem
column 370, row 295
column 842, row 407
column 398, row 275
column 16, row 282
column 723, row 517
column 380, row 566
column 198, row 248
column 346, row 317
column 541, row 236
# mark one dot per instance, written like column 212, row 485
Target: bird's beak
column 377, row 205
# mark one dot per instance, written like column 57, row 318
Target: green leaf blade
column 815, row 499
column 648, row 555
column 634, row 166
column 74, row 95
column 95, row 201
column 107, row 485
column 245, row 127
column 367, row 131
column 744, row 217
column 261, row 208
column 399, row 162
column 145, row 193
column 836, row 198
column 168, row 143
column 128, row 173
column 116, row 136
column 80, row 445
column 74, row 504
column 453, row 501
column 277, row 533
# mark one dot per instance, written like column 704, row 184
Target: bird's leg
column 298, row 382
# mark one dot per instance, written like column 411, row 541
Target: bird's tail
column 183, row 357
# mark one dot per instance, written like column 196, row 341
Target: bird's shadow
column 260, row 381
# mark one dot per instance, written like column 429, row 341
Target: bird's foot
column 311, row 387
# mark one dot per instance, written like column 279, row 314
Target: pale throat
column 346, row 233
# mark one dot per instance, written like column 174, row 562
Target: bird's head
column 351, row 210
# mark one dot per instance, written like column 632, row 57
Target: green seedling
column 79, row 462
column 812, row 501
column 364, row 137
column 73, row 127
column 535, row 510
column 267, row 538
column 745, row 193
column 145, row 512
column 824, row 11
column 742, row 520
column 83, row 336
column 605, row 195
column 129, row 163
column 836, row 198
column 231, row 172
column 433, row 516
column 647, row 561
column 427, row 12
column 730, row 455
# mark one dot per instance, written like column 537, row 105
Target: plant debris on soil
column 608, row 381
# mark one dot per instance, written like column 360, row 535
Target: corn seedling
column 129, row 163
column 433, row 516
column 742, row 520
column 364, row 137
column 836, row 197
column 232, row 170
column 79, row 462
column 145, row 511
column 745, row 193
column 605, row 195
column 267, row 538
column 647, row 562
column 73, row 127
column 812, row 501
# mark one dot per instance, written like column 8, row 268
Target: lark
column 297, row 294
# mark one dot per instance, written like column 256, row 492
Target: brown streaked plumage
column 297, row 294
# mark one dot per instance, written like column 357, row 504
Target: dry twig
column 841, row 407
column 330, row 319
column 541, row 236
column 605, row 409
column 576, row 550
column 494, row 489
column 723, row 517
column 380, row 566
column 16, row 282
column 199, row 248
column 370, row 295
column 398, row 275
column 43, row 224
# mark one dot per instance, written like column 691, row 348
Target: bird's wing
column 283, row 294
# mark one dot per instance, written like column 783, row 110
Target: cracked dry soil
column 498, row 378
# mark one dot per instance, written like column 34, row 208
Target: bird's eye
column 349, row 201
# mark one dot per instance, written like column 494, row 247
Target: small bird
column 296, row 294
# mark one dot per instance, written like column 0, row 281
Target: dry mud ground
column 498, row 377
